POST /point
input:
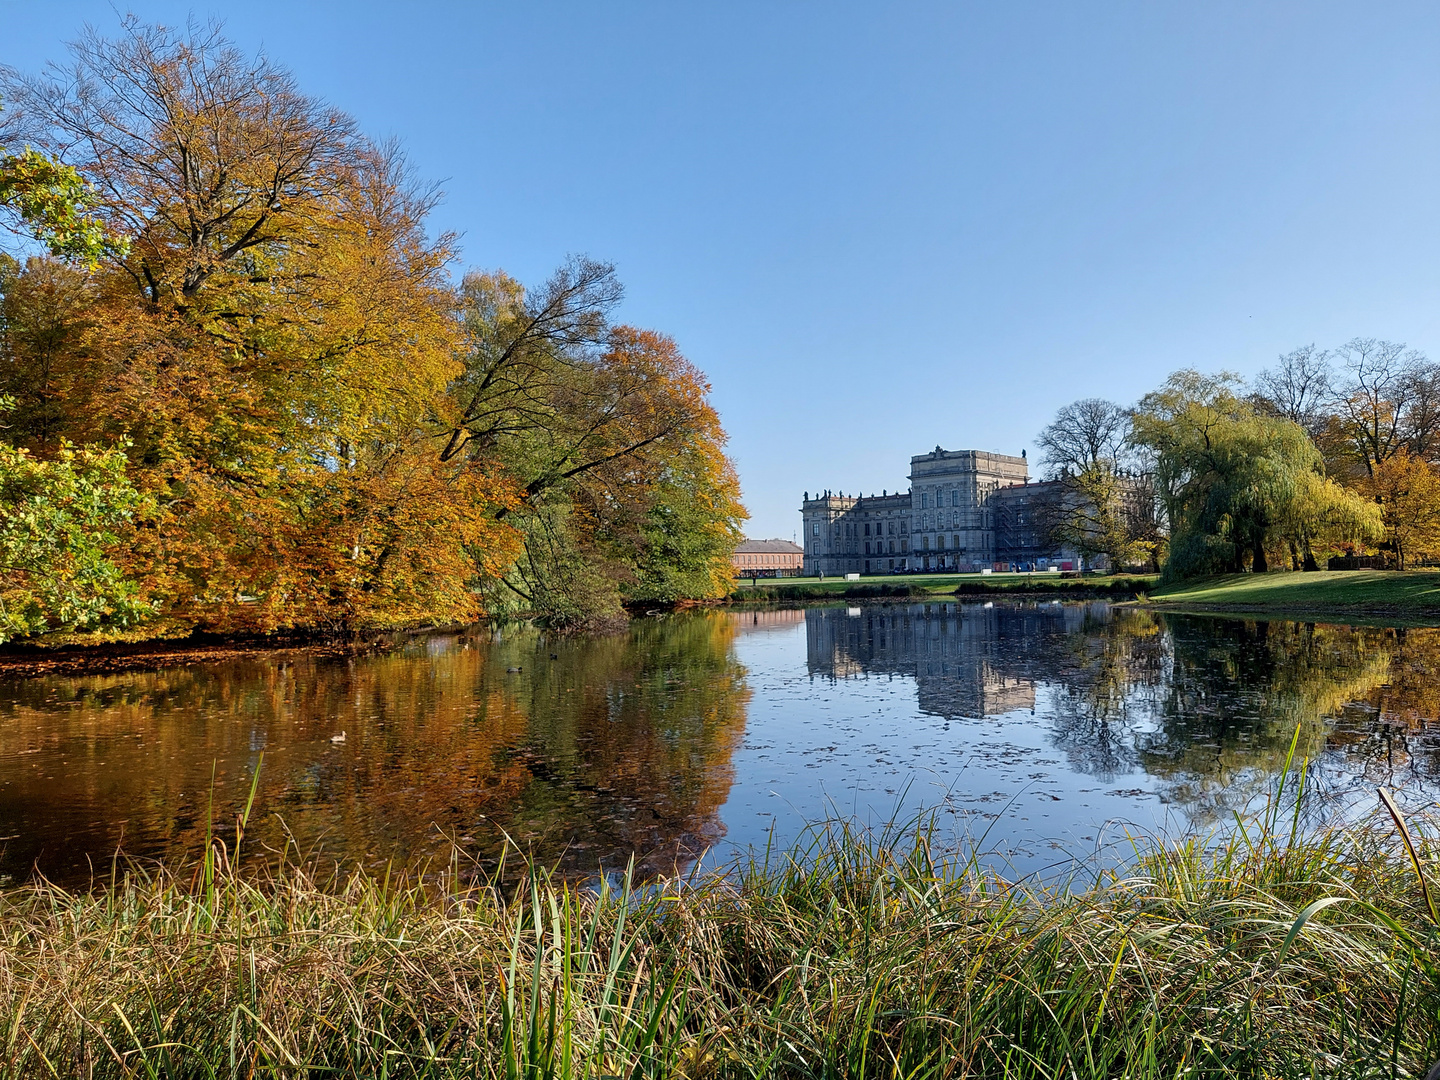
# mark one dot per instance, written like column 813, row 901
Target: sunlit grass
column 853, row 954
column 1413, row 592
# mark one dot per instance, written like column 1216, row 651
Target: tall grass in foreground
column 861, row 955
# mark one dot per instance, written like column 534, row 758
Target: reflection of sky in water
column 1050, row 729
column 1035, row 724
column 876, row 731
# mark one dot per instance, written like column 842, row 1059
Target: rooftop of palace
column 893, row 500
column 768, row 547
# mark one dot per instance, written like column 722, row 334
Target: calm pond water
column 1047, row 728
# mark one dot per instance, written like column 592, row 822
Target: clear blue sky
column 882, row 227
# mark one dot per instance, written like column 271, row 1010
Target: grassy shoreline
column 1332, row 595
column 1411, row 597
column 941, row 586
column 859, row 956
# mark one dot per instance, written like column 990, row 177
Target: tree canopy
column 243, row 301
column 1235, row 483
column 1107, row 505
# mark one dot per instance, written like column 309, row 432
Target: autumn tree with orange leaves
column 625, row 491
column 330, row 434
column 1407, row 489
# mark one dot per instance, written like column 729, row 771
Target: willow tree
column 1240, row 485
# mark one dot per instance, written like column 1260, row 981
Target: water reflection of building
column 967, row 660
column 757, row 619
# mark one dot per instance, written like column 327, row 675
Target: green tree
column 58, row 522
column 689, row 531
column 1237, row 484
column 626, row 494
column 57, row 516
column 54, row 204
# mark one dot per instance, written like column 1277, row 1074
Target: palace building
column 966, row 510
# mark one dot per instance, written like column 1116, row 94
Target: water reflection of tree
column 1237, row 692
column 1112, row 660
column 636, row 733
column 594, row 749
column 1211, row 705
column 1389, row 735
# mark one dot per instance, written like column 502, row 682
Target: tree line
column 1328, row 452
column 245, row 389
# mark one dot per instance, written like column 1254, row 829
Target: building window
column 817, row 529
column 924, row 501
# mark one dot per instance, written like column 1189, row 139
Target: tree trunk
column 1258, row 564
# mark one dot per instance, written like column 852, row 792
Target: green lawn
column 1411, row 592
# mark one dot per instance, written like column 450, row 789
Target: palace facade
column 966, row 510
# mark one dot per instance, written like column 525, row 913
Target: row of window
column 748, row 559
column 850, row 529
column 900, row 528
column 880, row 546
column 939, row 498
column 940, row 521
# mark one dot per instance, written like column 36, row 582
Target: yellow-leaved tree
column 323, row 431
column 1407, row 490
column 271, row 338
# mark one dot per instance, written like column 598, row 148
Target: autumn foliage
column 326, row 430
column 1406, row 487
